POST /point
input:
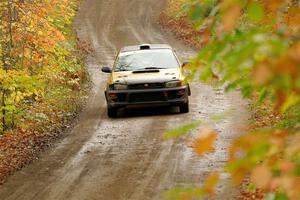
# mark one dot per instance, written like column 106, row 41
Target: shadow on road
column 147, row 111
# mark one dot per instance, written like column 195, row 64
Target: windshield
column 146, row 59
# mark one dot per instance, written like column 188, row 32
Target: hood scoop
column 124, row 76
column 170, row 73
column 145, row 71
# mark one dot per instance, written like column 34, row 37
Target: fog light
column 113, row 95
column 181, row 92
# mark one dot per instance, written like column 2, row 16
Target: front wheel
column 112, row 112
column 184, row 108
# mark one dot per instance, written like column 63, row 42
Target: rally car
column 146, row 75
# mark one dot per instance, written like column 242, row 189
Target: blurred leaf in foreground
column 184, row 193
column 195, row 192
column 255, row 11
column 261, row 176
column 221, row 116
column 211, row 182
column 182, row 130
column 204, row 143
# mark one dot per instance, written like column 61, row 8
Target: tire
column 184, row 108
column 112, row 112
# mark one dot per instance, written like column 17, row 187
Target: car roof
column 145, row 47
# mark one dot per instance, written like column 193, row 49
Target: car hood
column 162, row 75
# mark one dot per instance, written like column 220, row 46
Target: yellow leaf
column 291, row 100
column 40, row 33
column 205, row 142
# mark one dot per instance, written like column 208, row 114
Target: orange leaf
column 239, row 175
column 231, row 17
column 287, row 166
column 262, row 73
column 211, row 182
column 205, row 142
column 262, row 176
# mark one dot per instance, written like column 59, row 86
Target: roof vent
column 144, row 46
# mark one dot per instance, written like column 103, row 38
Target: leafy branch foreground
column 253, row 46
column 42, row 77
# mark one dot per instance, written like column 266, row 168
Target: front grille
column 147, row 96
column 172, row 94
column 146, row 86
column 122, row 97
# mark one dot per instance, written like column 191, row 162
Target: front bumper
column 147, row 97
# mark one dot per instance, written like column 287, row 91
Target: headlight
column 175, row 84
column 120, row 87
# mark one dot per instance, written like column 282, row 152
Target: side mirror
column 106, row 69
column 186, row 71
column 184, row 64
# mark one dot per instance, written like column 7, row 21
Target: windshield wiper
column 155, row 68
column 121, row 70
column 148, row 70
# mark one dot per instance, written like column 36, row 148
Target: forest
column 42, row 76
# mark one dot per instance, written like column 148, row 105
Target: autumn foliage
column 36, row 55
column 41, row 77
column 254, row 46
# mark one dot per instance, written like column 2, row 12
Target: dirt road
column 126, row 158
